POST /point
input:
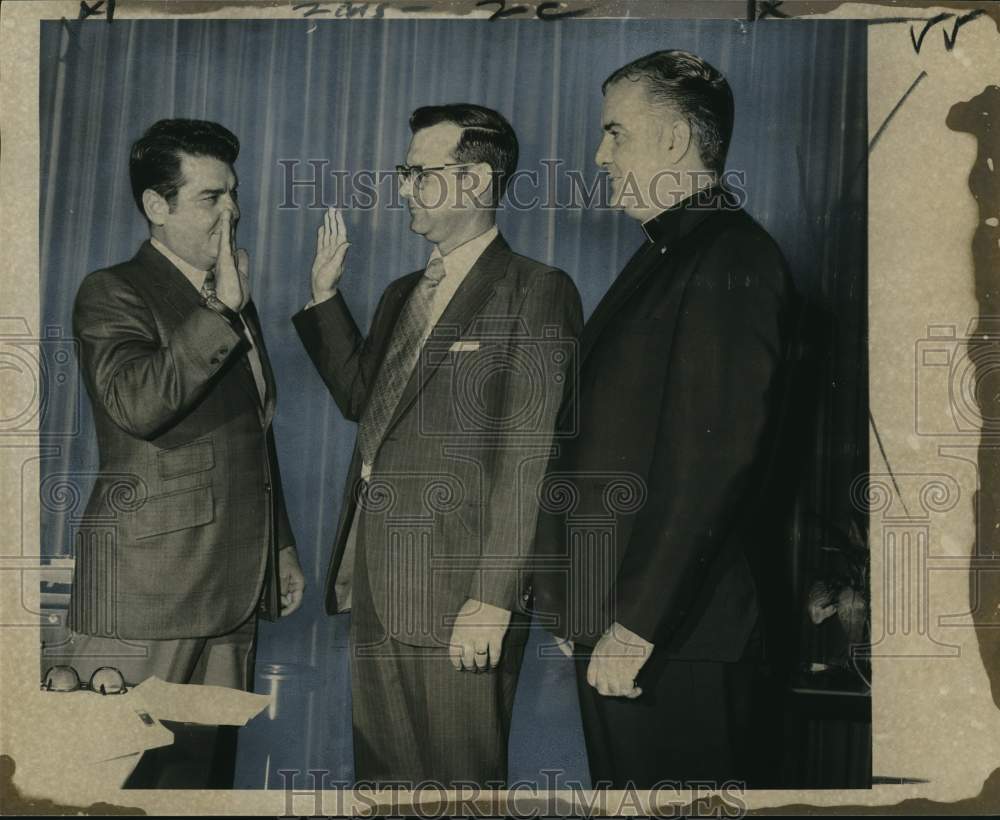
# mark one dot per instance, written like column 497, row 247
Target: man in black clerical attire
column 680, row 393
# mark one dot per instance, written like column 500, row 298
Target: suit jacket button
column 267, row 486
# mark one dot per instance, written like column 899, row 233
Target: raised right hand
column 232, row 267
column 331, row 246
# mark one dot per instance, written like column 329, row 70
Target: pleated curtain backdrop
column 341, row 92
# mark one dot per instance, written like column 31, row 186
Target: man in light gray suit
column 456, row 390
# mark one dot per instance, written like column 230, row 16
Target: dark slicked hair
column 155, row 161
column 487, row 137
column 698, row 91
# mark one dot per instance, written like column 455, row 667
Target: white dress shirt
column 457, row 265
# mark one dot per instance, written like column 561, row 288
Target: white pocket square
column 463, row 347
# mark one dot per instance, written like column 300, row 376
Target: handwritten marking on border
column 895, row 109
column 97, row 8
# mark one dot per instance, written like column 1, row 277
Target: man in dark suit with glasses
column 455, row 387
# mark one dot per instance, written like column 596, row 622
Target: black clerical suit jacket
column 647, row 511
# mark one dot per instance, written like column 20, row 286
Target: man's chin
column 417, row 225
column 617, row 202
column 641, row 214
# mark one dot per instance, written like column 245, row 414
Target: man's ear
column 677, row 136
column 156, row 206
column 485, row 185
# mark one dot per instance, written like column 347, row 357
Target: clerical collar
column 679, row 219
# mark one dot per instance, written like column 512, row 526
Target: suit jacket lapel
column 252, row 320
column 472, row 294
column 635, row 272
column 178, row 292
column 679, row 229
column 173, row 285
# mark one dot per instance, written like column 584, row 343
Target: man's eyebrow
column 611, row 124
column 213, row 191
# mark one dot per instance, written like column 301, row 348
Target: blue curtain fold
column 341, row 92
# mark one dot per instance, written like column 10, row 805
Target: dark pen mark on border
column 918, row 40
column 769, row 8
column 885, row 124
column 311, row 9
column 97, row 8
column 544, row 11
column 889, row 21
column 762, row 9
column 895, row 110
column 502, row 11
column 885, row 458
column 949, row 43
column 863, row 164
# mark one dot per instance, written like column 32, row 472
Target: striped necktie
column 253, row 355
column 401, row 358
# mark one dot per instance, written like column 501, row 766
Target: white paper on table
column 194, row 703
column 88, row 728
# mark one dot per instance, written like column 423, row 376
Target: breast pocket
column 170, row 512
column 196, row 457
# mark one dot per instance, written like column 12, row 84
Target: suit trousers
column 696, row 721
column 416, row 718
column 201, row 756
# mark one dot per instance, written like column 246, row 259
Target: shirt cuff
column 312, row 302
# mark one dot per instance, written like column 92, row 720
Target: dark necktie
column 253, row 357
column 401, row 358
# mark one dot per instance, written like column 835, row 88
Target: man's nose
column 229, row 203
column 406, row 187
column 601, row 157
